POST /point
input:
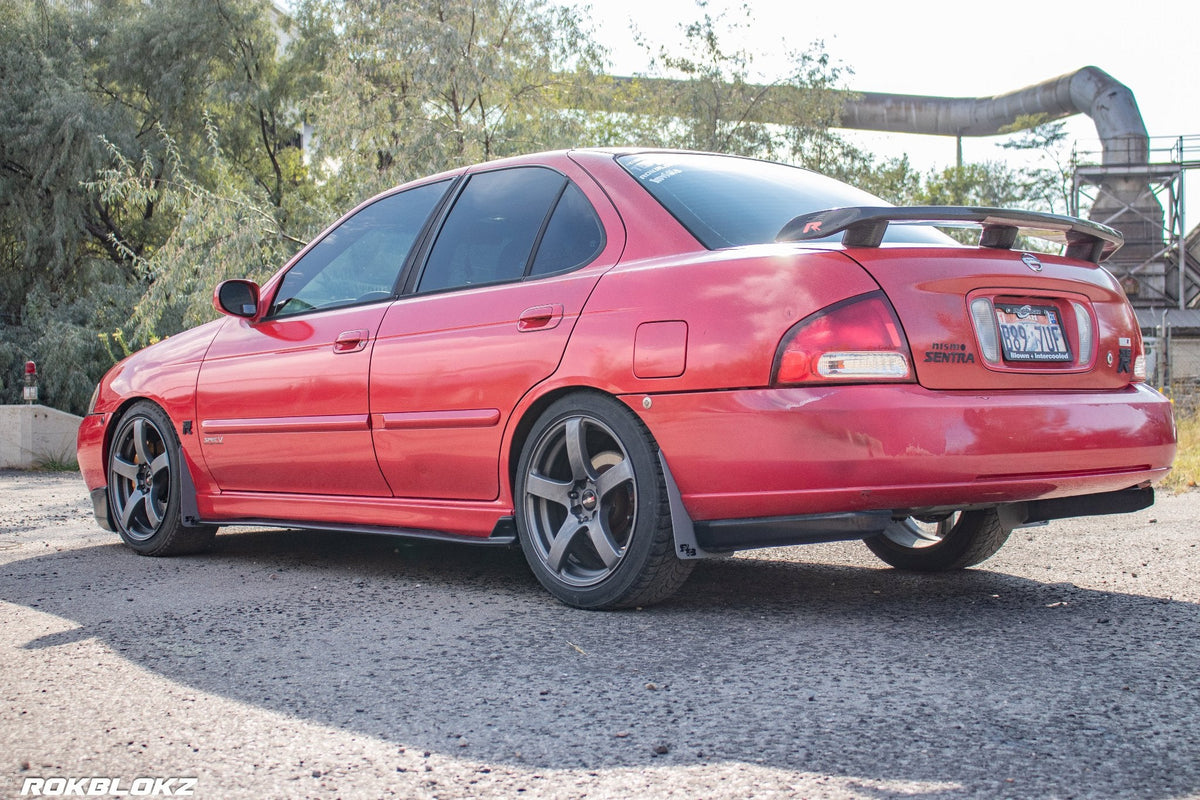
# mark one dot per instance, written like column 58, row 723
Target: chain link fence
column 1173, row 366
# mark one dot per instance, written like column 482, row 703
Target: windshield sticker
column 663, row 172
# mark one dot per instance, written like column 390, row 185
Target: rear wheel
column 961, row 540
column 144, row 485
column 591, row 507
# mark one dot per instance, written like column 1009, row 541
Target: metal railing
column 1155, row 266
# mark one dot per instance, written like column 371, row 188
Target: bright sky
column 957, row 49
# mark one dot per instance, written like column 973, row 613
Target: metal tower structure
column 1159, row 266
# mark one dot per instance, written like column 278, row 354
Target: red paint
column 773, row 452
column 296, row 404
column 408, row 412
column 660, row 349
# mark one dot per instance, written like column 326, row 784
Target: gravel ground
column 290, row 664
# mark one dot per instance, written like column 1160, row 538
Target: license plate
column 1031, row 333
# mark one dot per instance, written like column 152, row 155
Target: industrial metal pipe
column 1090, row 91
column 1125, row 196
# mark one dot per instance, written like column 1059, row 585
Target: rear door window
column 510, row 224
column 574, row 236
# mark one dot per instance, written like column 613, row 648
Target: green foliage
column 991, row 184
column 61, row 334
column 1049, row 184
column 106, row 114
column 230, row 232
column 716, row 102
column 56, row 462
column 988, row 184
column 415, row 87
column 47, row 147
column 152, row 148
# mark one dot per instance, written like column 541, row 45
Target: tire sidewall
column 968, row 543
column 170, row 525
column 642, row 453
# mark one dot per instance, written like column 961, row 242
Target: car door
column 282, row 400
column 487, row 317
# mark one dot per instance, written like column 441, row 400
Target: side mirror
column 237, row 298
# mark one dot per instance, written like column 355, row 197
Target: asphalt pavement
column 294, row 664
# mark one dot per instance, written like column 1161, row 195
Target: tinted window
column 727, row 202
column 360, row 260
column 489, row 234
column 573, row 237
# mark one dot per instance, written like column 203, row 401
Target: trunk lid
column 984, row 319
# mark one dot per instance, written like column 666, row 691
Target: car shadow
column 973, row 679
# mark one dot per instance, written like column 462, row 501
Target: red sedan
column 626, row 360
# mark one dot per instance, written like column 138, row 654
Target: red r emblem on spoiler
column 812, row 226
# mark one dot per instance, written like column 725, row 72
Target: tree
column 893, row 179
column 231, row 230
column 151, row 148
column 48, row 147
column 419, row 86
column 439, row 85
column 1051, row 182
column 713, row 99
column 84, row 85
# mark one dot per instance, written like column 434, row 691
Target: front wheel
column 144, row 485
column 591, row 507
column 961, row 540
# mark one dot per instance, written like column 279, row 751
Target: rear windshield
column 725, row 201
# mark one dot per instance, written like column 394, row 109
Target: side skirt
column 468, row 520
column 500, row 536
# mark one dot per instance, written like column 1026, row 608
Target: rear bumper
column 785, row 452
column 725, row 535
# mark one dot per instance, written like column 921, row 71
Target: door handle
column 351, row 341
column 540, row 318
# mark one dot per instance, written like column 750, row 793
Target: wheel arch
column 531, row 410
column 114, row 421
column 188, row 513
column 620, row 550
column 157, row 509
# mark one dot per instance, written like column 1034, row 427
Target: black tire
column 144, row 485
column 962, row 540
column 596, row 542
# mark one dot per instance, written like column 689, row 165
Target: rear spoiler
column 864, row 226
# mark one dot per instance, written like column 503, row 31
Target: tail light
column 855, row 341
column 1083, row 324
column 1138, row 348
column 984, row 319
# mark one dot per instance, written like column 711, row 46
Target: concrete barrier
column 35, row 434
